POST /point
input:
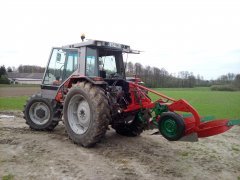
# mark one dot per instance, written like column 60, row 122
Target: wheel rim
column 79, row 114
column 39, row 113
column 169, row 128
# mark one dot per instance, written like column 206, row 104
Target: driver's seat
column 103, row 74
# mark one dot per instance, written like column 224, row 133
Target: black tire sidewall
column 130, row 130
column 29, row 120
column 125, row 130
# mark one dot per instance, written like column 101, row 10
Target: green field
column 12, row 103
column 218, row 104
column 215, row 103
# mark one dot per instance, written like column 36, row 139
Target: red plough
column 169, row 115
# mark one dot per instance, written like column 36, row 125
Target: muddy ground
column 27, row 154
column 18, row 91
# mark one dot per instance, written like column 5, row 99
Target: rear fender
column 63, row 89
column 93, row 80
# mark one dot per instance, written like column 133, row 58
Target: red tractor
column 86, row 84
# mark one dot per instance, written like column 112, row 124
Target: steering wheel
column 115, row 75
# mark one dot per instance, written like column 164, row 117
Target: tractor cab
column 90, row 59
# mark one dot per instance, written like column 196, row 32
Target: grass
column 218, row 104
column 12, row 103
column 215, row 103
column 184, row 153
column 8, row 177
column 235, row 148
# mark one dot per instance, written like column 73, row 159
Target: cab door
column 62, row 63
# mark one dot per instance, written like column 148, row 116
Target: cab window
column 108, row 64
column 91, row 62
column 61, row 65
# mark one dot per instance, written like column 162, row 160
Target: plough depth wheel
column 171, row 126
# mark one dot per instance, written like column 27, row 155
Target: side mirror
column 58, row 58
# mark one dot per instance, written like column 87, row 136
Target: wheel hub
column 79, row 114
column 40, row 113
column 169, row 127
column 82, row 114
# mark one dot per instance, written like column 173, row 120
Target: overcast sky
column 202, row 36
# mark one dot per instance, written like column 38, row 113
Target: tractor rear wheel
column 39, row 114
column 130, row 130
column 171, row 126
column 136, row 127
column 86, row 114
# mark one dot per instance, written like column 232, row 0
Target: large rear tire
column 130, row 130
column 136, row 127
column 39, row 114
column 86, row 114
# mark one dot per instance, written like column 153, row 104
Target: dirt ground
column 27, row 154
column 18, row 91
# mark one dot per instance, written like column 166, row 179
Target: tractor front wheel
column 171, row 126
column 39, row 114
column 86, row 114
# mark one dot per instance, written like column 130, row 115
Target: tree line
column 30, row 69
column 159, row 77
column 3, row 75
column 155, row 77
column 25, row 69
column 228, row 82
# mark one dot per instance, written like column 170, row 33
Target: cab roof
column 103, row 44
